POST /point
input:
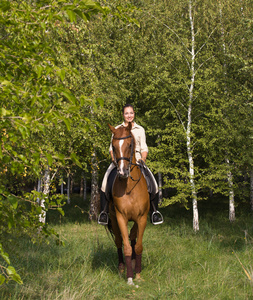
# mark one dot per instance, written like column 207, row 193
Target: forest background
column 66, row 70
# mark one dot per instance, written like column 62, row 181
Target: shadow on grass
column 213, row 222
column 106, row 257
column 75, row 212
column 213, row 219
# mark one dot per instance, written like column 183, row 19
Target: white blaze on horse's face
column 122, row 170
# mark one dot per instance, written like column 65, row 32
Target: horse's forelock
column 122, row 131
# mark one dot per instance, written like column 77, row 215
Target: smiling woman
column 128, row 113
column 141, row 152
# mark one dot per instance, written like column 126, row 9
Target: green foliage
column 35, row 105
column 47, row 93
column 8, row 272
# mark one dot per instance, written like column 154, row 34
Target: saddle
column 149, row 179
column 147, row 175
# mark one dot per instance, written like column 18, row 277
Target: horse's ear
column 111, row 128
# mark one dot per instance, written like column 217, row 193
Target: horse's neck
column 134, row 169
column 133, row 160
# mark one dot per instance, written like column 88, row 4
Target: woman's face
column 128, row 114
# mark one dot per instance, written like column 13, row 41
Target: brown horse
column 130, row 201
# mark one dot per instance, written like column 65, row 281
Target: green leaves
column 5, row 5
column 13, row 275
column 40, row 112
column 4, row 255
column 9, row 272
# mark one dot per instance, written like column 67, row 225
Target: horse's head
column 123, row 145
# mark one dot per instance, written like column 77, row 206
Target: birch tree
column 46, row 190
column 189, row 122
column 229, row 173
column 185, row 110
column 94, row 207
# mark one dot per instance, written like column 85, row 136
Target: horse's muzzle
column 123, row 173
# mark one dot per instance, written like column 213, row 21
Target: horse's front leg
column 118, row 242
column 122, row 222
column 138, row 247
column 133, row 236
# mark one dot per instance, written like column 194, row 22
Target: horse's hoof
column 130, row 282
column 121, row 268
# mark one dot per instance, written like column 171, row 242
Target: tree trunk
column 251, row 190
column 39, row 185
column 39, row 190
column 231, row 194
column 84, row 189
column 94, row 200
column 160, row 184
column 62, row 187
column 46, row 190
column 189, row 123
column 68, row 190
column 229, row 174
column 81, row 186
column 71, row 186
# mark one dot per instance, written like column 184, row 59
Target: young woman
column 141, row 153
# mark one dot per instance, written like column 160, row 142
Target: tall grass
column 177, row 263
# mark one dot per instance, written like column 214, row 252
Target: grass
column 215, row 263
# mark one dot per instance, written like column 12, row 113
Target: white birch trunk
column 229, row 174
column 231, row 194
column 189, row 123
column 39, row 185
column 46, row 190
column 39, row 189
column 251, row 190
column 94, row 199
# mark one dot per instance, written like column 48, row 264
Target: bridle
column 130, row 159
column 123, row 157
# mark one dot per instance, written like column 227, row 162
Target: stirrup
column 103, row 222
column 156, row 222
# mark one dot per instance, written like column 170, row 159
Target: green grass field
column 216, row 263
